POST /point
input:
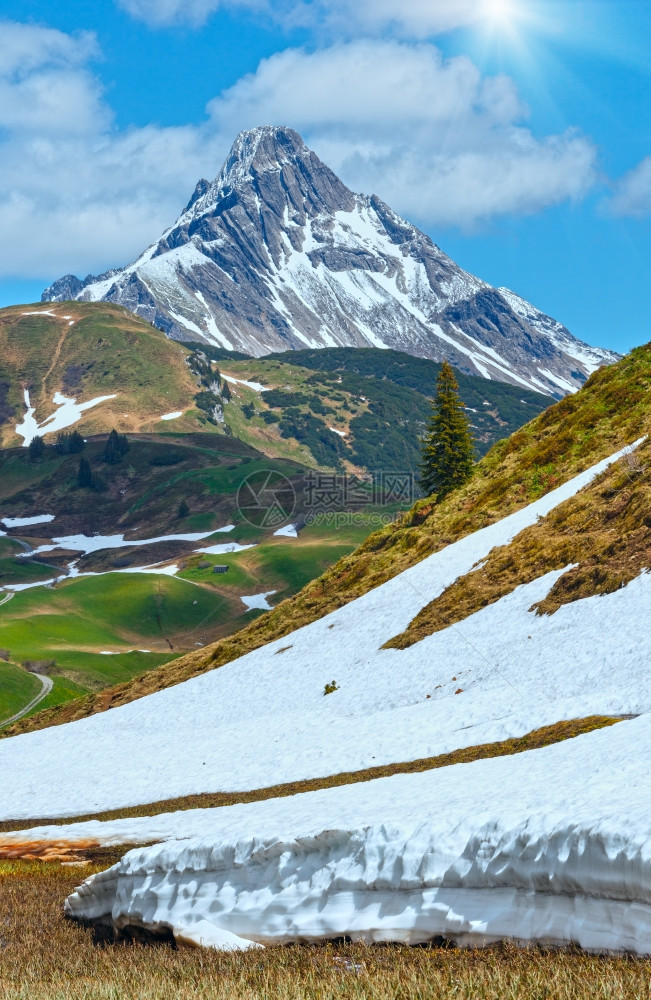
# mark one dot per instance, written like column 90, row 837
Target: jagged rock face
column 277, row 254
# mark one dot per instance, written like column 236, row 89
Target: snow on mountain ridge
column 286, row 256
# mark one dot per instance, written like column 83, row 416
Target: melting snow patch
column 335, row 431
column 172, row 416
column 21, row 522
column 123, row 652
column 68, row 412
column 219, row 550
column 17, row 587
column 289, row 531
column 156, row 569
column 93, row 543
column 250, row 385
column 258, row 601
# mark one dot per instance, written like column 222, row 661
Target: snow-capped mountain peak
column 277, row 253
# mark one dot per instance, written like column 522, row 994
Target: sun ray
column 500, row 11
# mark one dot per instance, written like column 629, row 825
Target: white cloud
column 632, row 195
column 43, row 83
column 76, row 195
column 166, row 12
column 409, row 18
column 435, row 139
column 373, row 85
column 24, row 48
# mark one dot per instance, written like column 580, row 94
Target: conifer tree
column 69, row 444
column 116, row 448
column 36, row 448
column 447, row 448
column 76, row 443
column 184, row 509
column 84, row 475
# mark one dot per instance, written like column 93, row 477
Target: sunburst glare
column 500, row 11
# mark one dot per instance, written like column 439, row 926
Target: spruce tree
column 184, row 509
column 69, row 444
column 447, row 450
column 84, row 475
column 115, row 449
column 36, row 449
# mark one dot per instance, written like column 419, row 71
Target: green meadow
column 17, row 688
column 145, row 620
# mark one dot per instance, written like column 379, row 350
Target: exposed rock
column 277, row 253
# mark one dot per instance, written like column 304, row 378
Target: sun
column 500, row 11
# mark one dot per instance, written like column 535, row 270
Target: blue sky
column 515, row 132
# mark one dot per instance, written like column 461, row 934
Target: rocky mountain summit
column 278, row 254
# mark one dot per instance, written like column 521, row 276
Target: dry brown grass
column 45, row 957
column 611, row 411
column 543, row 737
column 604, row 532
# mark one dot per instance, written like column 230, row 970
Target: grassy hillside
column 106, row 351
column 144, row 620
column 610, row 412
column 603, row 533
column 360, row 409
column 141, row 493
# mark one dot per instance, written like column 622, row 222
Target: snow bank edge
column 561, row 886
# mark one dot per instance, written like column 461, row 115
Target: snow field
column 550, row 846
column 85, row 544
column 156, row 569
column 256, row 386
column 504, row 659
column 224, row 547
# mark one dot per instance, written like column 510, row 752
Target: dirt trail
column 55, row 361
column 46, row 686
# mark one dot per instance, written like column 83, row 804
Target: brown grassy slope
column 107, row 351
column 544, row 737
column 45, row 957
column 605, row 531
column 611, row 411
